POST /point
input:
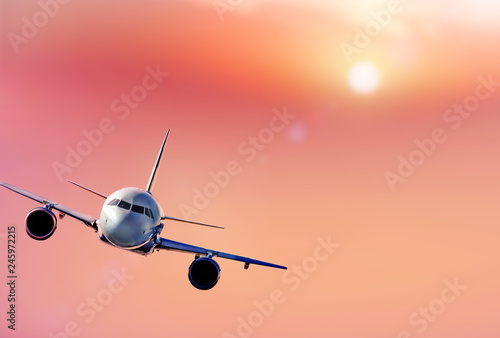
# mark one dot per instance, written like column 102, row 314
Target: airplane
column 131, row 220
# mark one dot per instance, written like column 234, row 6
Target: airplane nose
column 124, row 231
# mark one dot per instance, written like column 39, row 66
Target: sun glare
column 364, row 78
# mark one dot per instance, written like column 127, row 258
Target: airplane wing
column 167, row 244
column 88, row 220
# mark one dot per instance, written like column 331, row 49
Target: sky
column 354, row 142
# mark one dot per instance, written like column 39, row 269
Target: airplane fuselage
column 130, row 219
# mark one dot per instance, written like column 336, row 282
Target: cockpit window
column 137, row 208
column 114, row 202
column 124, row 205
column 149, row 212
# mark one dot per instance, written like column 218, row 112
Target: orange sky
column 324, row 178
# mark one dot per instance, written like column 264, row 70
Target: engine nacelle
column 41, row 223
column 204, row 273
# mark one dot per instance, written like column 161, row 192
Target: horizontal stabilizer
column 85, row 188
column 186, row 221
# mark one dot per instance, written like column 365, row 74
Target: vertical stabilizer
column 157, row 164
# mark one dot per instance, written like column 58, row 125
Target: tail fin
column 157, row 164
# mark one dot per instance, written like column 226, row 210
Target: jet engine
column 204, row 273
column 41, row 223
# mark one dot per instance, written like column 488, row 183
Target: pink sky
column 322, row 178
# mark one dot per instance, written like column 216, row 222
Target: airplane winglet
column 157, row 164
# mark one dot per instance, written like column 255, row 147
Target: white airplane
column 131, row 219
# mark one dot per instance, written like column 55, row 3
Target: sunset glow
column 364, row 78
column 356, row 142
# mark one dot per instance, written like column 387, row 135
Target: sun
column 364, row 78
